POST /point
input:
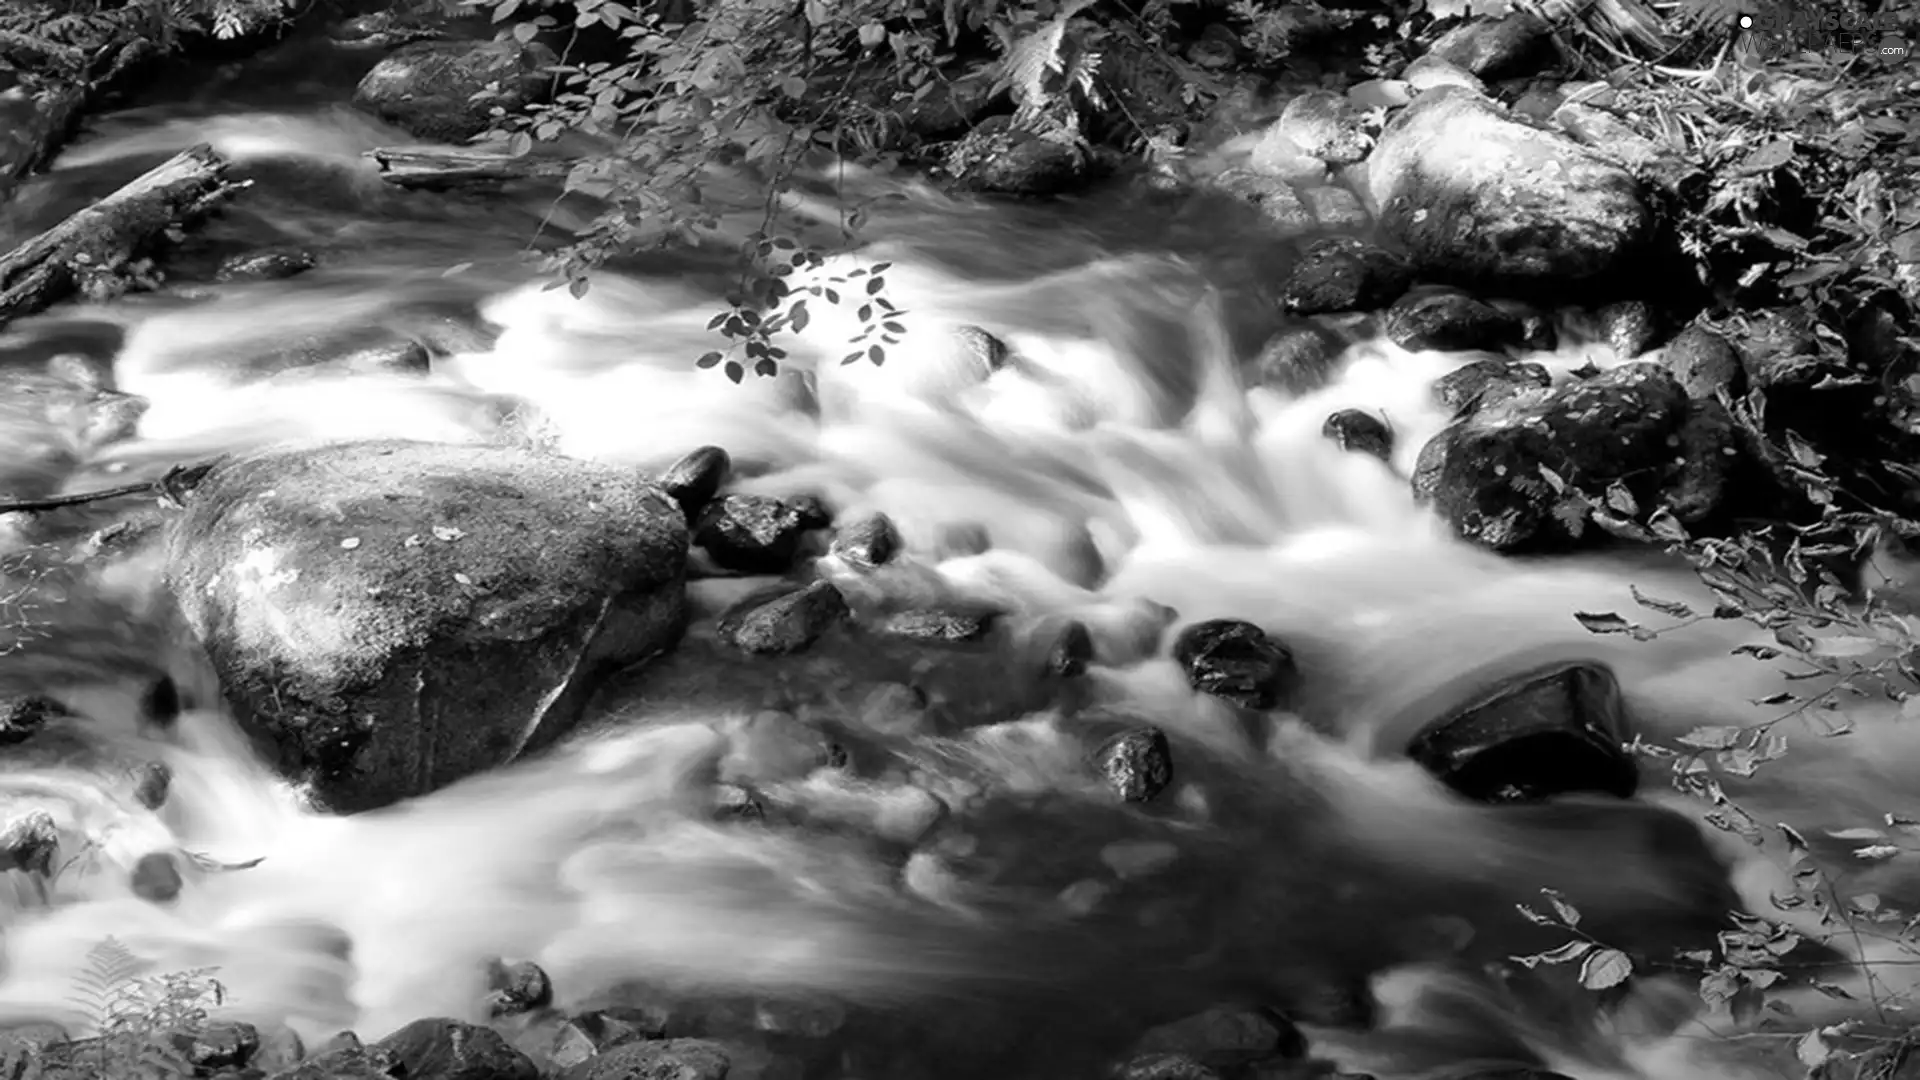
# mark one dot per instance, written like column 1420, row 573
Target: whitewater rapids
column 1122, row 468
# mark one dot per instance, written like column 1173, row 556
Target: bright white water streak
column 1119, row 461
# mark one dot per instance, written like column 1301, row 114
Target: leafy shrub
column 139, row 1020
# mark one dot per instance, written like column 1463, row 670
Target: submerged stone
column 786, row 622
column 1138, row 765
column 1235, row 661
column 1552, row 731
column 754, row 534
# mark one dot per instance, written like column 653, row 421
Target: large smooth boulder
column 388, row 617
column 1634, row 425
column 446, row 90
column 1551, row 731
column 1477, row 197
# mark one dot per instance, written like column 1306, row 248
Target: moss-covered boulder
column 388, row 617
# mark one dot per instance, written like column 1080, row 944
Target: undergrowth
column 143, row 1023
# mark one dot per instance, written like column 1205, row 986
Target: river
column 1122, row 468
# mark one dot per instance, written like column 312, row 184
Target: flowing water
column 1126, row 475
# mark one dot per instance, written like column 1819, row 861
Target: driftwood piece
column 434, row 168
column 90, row 252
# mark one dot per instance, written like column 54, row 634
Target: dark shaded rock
column 1506, row 47
column 1487, row 382
column 29, row 843
column 754, row 534
column 1552, row 731
column 337, row 1067
column 444, row 91
column 455, row 605
column 152, row 780
column 1072, row 651
column 1297, row 359
column 1450, row 321
column 219, row 1045
column 695, row 479
column 1226, row 1037
column 1483, row 472
column 439, row 1049
column 22, row 718
column 1344, row 274
column 271, row 264
column 990, row 351
column 938, row 624
column 1709, row 467
column 867, row 543
column 1162, row 1067
column 1631, row 327
column 950, row 107
column 1537, row 331
column 786, row 622
column 517, row 988
column 1361, row 432
column 1236, row 661
column 1138, row 764
column 156, row 877
column 1325, row 125
column 1480, row 199
column 999, row 157
column 672, row 1059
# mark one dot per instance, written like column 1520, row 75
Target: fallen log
column 94, row 252
column 434, row 168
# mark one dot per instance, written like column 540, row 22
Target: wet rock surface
column 455, row 598
column 1450, row 321
column 755, row 534
column 445, row 90
column 1553, row 731
column 1235, row 661
column 784, row 621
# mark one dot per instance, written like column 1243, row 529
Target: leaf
column 1856, row 834
column 525, row 32
column 456, row 269
column 708, row 360
column 734, row 371
column 1876, row 852
column 1569, row 915
column 1667, row 527
column 1565, row 954
column 1673, row 608
column 1710, row 738
column 1605, row 968
column 1533, row 916
column 1767, row 158
column 1604, row 622
column 1841, row 645
column 1622, row 500
column 1812, row 1050
column 520, row 144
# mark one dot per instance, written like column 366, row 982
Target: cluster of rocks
column 526, row 1038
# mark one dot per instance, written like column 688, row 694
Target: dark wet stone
column 22, row 718
column 1227, row 1037
column 1162, row 1067
column 1450, row 321
column 219, row 1045
column 518, row 988
column 1496, row 48
column 1704, row 364
column 442, row 1049
column 784, row 623
column 1631, row 327
column 870, row 542
column 1003, row 157
column 695, row 479
column 29, row 843
column 1236, row 661
column 938, row 625
column 156, row 877
column 1072, row 651
column 1487, row 382
column 1138, row 764
column 152, row 781
column 271, row 264
column 1343, row 274
column 1361, row 432
column 989, row 350
column 1297, row 359
column 1538, row 331
column 1553, row 731
column 670, row 1059
column 753, row 534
